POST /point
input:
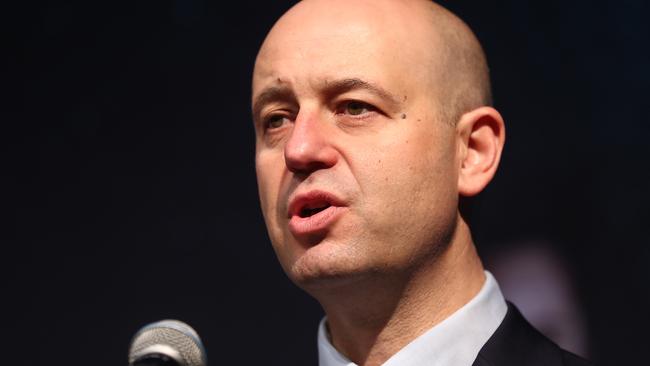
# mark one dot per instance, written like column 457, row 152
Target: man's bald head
column 463, row 66
column 447, row 55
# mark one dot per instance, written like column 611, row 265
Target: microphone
column 167, row 343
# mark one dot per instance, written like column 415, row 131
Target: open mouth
column 314, row 212
column 311, row 203
column 311, row 210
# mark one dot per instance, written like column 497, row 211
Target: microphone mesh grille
column 155, row 334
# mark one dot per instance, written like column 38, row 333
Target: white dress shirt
column 455, row 341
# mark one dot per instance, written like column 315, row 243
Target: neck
column 371, row 321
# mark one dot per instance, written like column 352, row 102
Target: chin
column 323, row 267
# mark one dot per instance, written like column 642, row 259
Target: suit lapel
column 517, row 343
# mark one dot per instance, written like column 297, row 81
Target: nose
column 309, row 147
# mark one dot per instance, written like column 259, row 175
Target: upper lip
column 312, row 199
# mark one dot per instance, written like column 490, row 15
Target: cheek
column 410, row 164
column 410, row 187
column 269, row 175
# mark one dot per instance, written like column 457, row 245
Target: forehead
column 304, row 49
column 308, row 62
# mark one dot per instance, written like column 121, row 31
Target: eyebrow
column 269, row 95
column 336, row 87
column 329, row 89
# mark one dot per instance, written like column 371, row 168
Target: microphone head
column 168, row 340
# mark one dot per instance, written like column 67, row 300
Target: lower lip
column 315, row 223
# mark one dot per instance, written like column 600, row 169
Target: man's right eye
column 275, row 121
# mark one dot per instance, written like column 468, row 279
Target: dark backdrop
column 130, row 189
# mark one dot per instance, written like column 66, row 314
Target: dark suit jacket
column 517, row 343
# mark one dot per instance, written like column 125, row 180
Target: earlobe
column 482, row 135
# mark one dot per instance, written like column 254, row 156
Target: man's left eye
column 356, row 108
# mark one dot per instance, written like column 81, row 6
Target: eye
column 275, row 121
column 355, row 108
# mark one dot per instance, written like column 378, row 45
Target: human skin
column 349, row 118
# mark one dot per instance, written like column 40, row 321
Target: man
column 373, row 129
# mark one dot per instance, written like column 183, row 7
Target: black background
column 130, row 191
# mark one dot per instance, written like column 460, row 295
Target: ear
column 481, row 135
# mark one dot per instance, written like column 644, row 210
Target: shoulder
column 516, row 342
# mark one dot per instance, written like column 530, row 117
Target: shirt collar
column 455, row 341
